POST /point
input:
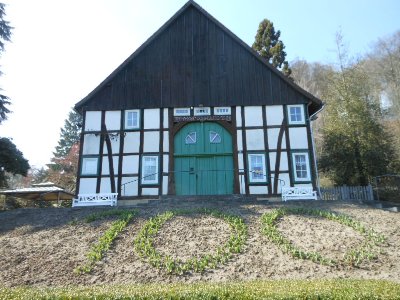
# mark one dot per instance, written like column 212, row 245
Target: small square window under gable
column 296, row 114
column 201, row 111
column 132, row 119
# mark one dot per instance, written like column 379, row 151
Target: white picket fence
column 348, row 193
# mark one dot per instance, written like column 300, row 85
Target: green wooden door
column 203, row 160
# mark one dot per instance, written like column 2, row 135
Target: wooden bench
column 103, row 199
column 298, row 193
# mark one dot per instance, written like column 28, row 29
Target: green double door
column 203, row 160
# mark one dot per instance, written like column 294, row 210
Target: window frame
column 143, row 180
column 302, row 111
column 126, row 126
column 251, row 180
column 308, row 166
column 82, row 168
column 189, row 135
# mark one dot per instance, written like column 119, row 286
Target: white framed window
column 182, row 112
column 301, row 166
column 149, row 169
column 90, row 166
column 191, row 138
column 215, row 138
column 132, row 119
column 257, row 168
column 201, row 111
column 222, row 111
column 296, row 114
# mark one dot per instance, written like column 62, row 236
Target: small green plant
column 143, row 243
column 354, row 257
column 97, row 252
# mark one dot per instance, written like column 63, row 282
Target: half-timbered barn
column 195, row 111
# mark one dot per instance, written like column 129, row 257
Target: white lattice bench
column 105, row 199
column 298, row 193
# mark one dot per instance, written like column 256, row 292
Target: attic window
column 222, row 111
column 296, row 114
column 202, row 111
column 132, row 119
column 182, row 111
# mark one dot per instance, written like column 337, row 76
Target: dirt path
column 43, row 246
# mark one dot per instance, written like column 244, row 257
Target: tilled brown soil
column 43, row 246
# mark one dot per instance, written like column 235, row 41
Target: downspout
column 312, row 118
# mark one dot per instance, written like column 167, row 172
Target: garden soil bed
column 43, row 246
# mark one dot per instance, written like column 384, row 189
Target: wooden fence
column 348, row 193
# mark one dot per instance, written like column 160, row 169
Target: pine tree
column 69, row 135
column 5, row 36
column 269, row 46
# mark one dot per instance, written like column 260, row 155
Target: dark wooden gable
column 194, row 60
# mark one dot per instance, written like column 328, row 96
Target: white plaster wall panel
column 274, row 114
column 87, row 185
column 303, row 185
column 283, row 166
column 273, row 135
column 165, row 162
column 238, row 116
column 255, row 139
column 129, row 186
column 132, row 142
column 113, row 120
column 253, row 116
column 298, row 138
column 166, row 141
column 165, row 185
column 165, row 124
column 150, row 191
column 258, row 189
column 93, row 121
column 242, row 184
column 130, row 164
column 151, row 118
column 151, row 141
column 114, row 139
column 284, row 183
column 240, row 162
column 239, row 140
column 105, row 185
column 105, row 167
column 91, row 144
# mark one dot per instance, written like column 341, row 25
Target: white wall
column 166, row 141
column 93, row 121
column 274, row 114
column 283, row 166
column 298, row 138
column 165, row 118
column 132, row 142
column 87, row 185
column 105, row 168
column 151, row 118
column 165, row 185
column 253, row 116
column 151, row 141
column 255, row 139
column 238, row 116
column 131, row 188
column 258, row 189
column 115, row 142
column 273, row 134
column 91, row 144
column 113, row 120
column 130, row 164
column 149, row 191
column 105, row 185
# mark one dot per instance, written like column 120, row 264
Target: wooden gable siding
column 192, row 62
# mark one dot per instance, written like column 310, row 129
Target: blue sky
column 62, row 49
